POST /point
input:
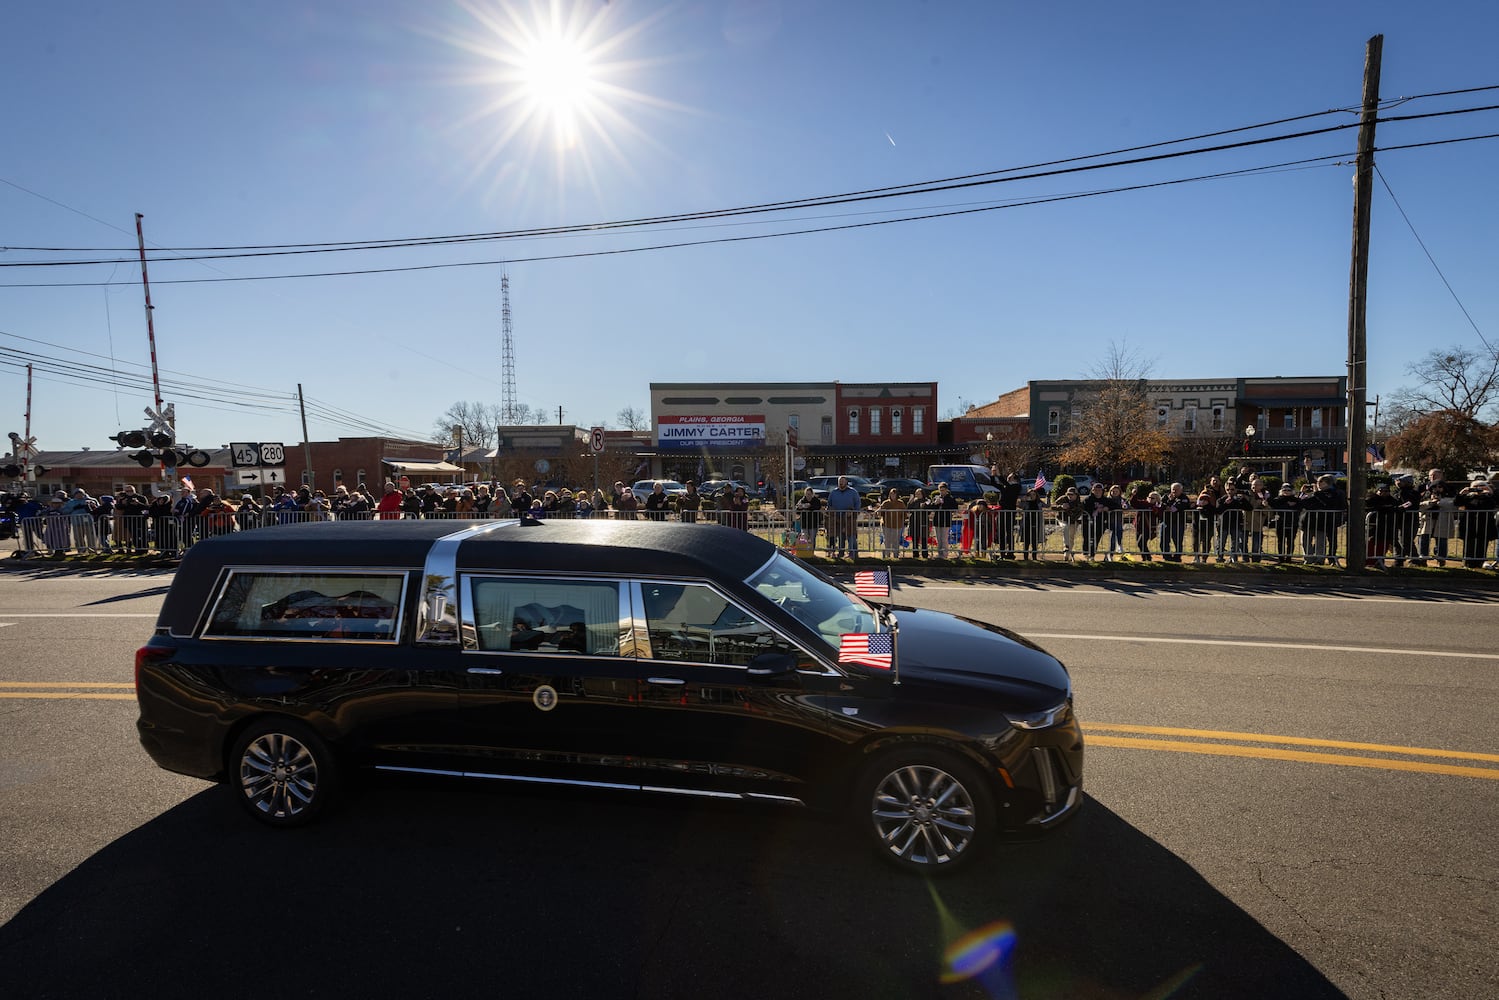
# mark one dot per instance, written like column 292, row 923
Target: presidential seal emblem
column 545, row 698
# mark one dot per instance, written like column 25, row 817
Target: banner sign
column 718, row 431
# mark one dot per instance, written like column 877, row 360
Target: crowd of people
column 131, row 522
column 1238, row 517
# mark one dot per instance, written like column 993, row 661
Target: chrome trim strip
column 619, row 786
column 437, row 613
column 1074, row 794
column 485, row 670
column 667, row 681
column 529, row 778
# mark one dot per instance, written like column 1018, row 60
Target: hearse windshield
column 814, row 600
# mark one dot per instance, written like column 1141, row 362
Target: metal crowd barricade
column 1311, row 536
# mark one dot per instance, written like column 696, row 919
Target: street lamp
column 1248, row 436
column 989, row 451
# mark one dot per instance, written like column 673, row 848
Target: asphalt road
column 1292, row 794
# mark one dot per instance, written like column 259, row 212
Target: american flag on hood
column 872, row 583
column 870, row 650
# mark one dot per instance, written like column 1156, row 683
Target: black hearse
column 657, row 657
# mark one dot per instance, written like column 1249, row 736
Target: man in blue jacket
column 843, row 519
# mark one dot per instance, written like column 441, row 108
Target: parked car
column 825, row 484
column 645, row 487
column 713, row 487
column 637, row 656
column 902, row 487
column 966, row 482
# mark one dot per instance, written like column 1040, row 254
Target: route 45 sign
column 250, row 454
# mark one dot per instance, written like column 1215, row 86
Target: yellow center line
column 1303, row 741
column 1270, row 753
column 65, row 684
column 67, row 694
column 77, row 690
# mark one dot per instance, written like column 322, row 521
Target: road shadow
column 416, row 891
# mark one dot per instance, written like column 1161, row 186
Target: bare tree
column 961, row 407
column 1115, row 428
column 1457, row 378
column 1115, row 424
column 632, row 419
column 480, row 423
column 1122, row 363
column 1449, row 440
column 1194, row 457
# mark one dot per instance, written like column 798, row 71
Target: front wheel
column 282, row 773
column 927, row 809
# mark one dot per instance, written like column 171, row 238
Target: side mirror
column 772, row 665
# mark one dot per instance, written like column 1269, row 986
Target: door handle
column 491, row 671
column 666, row 681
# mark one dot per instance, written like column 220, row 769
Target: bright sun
column 557, row 75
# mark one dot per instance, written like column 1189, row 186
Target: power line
column 1326, row 160
column 1436, row 267
column 1006, row 175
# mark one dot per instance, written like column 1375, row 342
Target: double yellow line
column 61, row 690
column 1220, row 743
column 1213, row 742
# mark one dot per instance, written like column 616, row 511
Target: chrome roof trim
column 437, row 612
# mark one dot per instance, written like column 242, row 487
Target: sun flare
column 556, row 78
column 557, row 75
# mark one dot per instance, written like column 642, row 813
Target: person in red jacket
column 390, row 504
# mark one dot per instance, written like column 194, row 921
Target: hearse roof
column 647, row 548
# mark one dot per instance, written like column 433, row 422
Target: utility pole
column 1358, row 302
column 306, row 444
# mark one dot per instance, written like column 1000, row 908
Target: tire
column 282, row 773
column 926, row 810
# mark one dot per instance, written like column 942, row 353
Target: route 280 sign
column 249, row 454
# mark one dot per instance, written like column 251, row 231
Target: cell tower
column 507, row 402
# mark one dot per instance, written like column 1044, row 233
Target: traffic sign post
column 258, row 463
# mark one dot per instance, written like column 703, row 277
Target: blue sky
column 278, row 123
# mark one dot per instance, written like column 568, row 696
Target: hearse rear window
column 572, row 616
column 270, row 605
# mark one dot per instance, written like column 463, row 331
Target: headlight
column 1040, row 720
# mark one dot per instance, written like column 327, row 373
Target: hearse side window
column 343, row 606
column 697, row 624
column 547, row 616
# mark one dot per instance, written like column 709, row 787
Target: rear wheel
column 927, row 809
column 282, row 773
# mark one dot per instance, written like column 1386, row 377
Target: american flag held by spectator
column 871, row 650
column 1040, row 481
column 872, row 583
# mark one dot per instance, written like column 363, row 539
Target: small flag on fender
column 872, row 583
column 871, row 650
